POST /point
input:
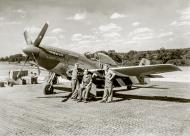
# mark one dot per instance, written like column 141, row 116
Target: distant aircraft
column 60, row 61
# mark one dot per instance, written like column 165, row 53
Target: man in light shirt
column 108, row 89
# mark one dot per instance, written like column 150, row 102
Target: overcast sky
column 91, row 25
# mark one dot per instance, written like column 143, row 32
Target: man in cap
column 108, row 89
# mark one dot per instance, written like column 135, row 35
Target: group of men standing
column 80, row 92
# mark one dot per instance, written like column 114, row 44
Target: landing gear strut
column 48, row 89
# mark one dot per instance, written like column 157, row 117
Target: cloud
column 111, row 35
column 143, row 33
column 78, row 16
column 135, row 24
column 21, row 11
column 117, row 15
column 84, row 42
column 2, row 18
column 4, row 21
column 109, row 27
column 76, row 37
column 165, row 34
column 180, row 23
column 80, row 37
column 183, row 19
column 131, row 42
column 51, row 40
column 141, row 30
column 142, row 37
column 61, row 36
column 57, row 30
column 12, row 23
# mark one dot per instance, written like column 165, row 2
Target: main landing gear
column 48, row 89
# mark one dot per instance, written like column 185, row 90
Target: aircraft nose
column 31, row 50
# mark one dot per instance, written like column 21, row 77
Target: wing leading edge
column 146, row 70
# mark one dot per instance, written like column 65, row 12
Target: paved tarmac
column 160, row 110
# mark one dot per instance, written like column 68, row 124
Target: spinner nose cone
column 26, row 51
column 31, row 50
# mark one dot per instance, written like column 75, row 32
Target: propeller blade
column 27, row 38
column 36, row 63
column 26, row 60
column 41, row 35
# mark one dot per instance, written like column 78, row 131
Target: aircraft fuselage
column 58, row 60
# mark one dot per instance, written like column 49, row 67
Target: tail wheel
column 48, row 89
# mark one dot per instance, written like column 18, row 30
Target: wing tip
column 176, row 67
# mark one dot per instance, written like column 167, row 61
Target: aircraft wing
column 146, row 70
column 142, row 70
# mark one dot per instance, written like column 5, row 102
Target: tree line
column 179, row 57
column 13, row 58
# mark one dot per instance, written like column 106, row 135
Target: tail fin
column 144, row 62
column 105, row 59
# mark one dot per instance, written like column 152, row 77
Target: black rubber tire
column 48, row 89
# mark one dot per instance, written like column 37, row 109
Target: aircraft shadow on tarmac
column 153, row 98
column 151, row 87
column 138, row 87
column 66, row 97
column 156, row 98
column 52, row 96
column 125, row 96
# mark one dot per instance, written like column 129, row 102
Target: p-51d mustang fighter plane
column 60, row 61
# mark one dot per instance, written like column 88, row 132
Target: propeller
column 36, row 43
column 38, row 39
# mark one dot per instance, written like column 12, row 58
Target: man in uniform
column 108, row 89
column 85, row 87
column 74, row 82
